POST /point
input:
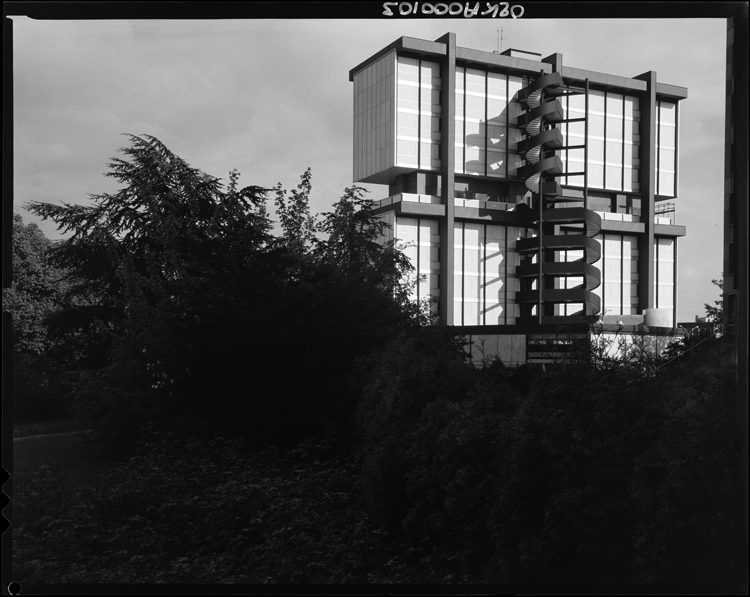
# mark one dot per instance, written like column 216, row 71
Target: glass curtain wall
column 613, row 141
column 421, row 243
column 664, row 273
column 486, row 116
column 484, row 278
column 666, row 149
column 618, row 291
column 418, row 114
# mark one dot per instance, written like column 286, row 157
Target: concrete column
column 447, row 176
column 647, row 178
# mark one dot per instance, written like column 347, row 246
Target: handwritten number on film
column 454, row 9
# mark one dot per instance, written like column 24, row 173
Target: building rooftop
column 523, row 62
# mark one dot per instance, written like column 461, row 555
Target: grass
column 73, row 454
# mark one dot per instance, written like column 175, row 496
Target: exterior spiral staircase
column 582, row 224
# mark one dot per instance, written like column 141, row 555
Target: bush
column 40, row 392
column 593, row 476
column 414, row 371
column 685, row 485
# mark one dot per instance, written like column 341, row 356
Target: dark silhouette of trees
column 36, row 294
column 209, row 317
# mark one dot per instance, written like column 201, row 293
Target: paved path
column 15, row 439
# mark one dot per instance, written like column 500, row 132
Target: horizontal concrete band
column 561, row 295
column 591, row 247
column 592, row 276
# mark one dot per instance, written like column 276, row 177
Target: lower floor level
column 549, row 345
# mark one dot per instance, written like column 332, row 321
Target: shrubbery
column 202, row 510
column 207, row 316
column 594, row 475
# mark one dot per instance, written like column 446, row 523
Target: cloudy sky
column 271, row 97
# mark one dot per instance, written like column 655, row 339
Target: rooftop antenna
column 499, row 41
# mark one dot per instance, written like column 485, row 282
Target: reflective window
column 666, row 144
column 418, row 114
column 664, row 282
column 613, row 141
column 486, row 133
column 420, row 242
column 619, row 270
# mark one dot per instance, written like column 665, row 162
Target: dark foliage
column 205, row 316
column 593, row 475
column 201, row 510
column 37, row 294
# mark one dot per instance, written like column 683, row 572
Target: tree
column 36, row 295
column 37, row 288
column 211, row 317
column 354, row 246
column 297, row 224
column 157, row 259
column 715, row 312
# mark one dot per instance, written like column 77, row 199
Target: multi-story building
column 531, row 195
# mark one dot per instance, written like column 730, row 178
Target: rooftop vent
column 522, row 54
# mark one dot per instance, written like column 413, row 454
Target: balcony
column 618, row 217
column 664, row 214
column 410, row 197
column 481, row 200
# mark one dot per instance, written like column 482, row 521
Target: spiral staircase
column 542, row 167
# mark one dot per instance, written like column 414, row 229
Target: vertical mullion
column 656, row 273
column 507, row 129
column 622, row 148
column 419, row 118
column 676, row 160
column 622, row 274
column 505, row 275
column 567, row 136
column 586, row 149
column 674, row 282
column 486, row 125
column 604, row 149
column 419, row 256
column 484, row 278
column 463, row 140
column 604, row 275
column 463, row 273
column 658, row 145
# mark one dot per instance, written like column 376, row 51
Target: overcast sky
column 272, row 97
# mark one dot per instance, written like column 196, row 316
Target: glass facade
column 664, row 274
column 613, row 141
column 374, row 116
column 421, row 245
column 418, row 114
column 487, row 112
column 618, row 291
column 666, row 149
column 485, row 283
